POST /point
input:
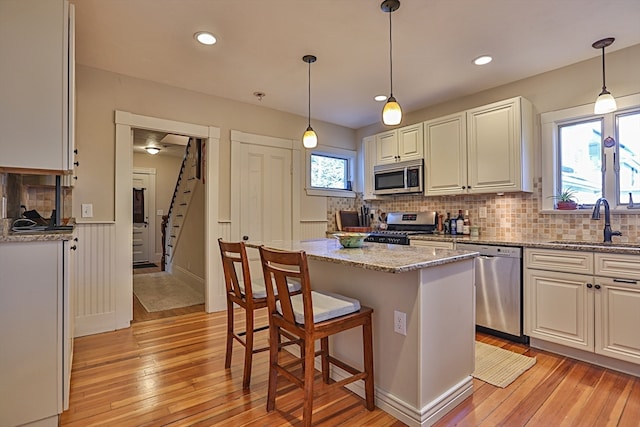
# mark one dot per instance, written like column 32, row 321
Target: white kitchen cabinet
column 596, row 311
column 369, row 161
column 487, row 149
column 37, row 91
column 35, row 284
column 446, row 155
column 399, row 145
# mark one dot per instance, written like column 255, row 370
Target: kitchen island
column 422, row 374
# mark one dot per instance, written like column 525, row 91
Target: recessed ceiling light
column 380, row 98
column 482, row 60
column 205, row 38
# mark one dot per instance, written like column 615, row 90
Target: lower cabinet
column 33, row 289
column 597, row 310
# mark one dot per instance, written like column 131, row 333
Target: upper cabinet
column 37, row 90
column 398, row 145
column 483, row 150
column 369, row 160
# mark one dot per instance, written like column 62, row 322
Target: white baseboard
column 193, row 280
column 96, row 324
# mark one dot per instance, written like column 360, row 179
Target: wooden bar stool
column 311, row 316
column 248, row 294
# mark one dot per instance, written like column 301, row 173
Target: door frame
column 150, row 200
column 124, row 123
column 237, row 138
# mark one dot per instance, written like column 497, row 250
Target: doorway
column 144, row 208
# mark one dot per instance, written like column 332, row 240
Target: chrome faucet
column 607, row 219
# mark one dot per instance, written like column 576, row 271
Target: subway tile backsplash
column 514, row 215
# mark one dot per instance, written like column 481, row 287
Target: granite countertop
column 536, row 242
column 8, row 236
column 373, row 256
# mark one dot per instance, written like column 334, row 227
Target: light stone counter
column 373, row 256
column 8, row 236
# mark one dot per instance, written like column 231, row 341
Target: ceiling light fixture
column 309, row 139
column 380, row 98
column 605, row 103
column 482, row 60
column 152, row 150
column 205, row 37
column 391, row 113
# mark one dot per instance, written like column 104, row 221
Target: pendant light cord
column 390, row 57
column 309, row 97
column 604, row 87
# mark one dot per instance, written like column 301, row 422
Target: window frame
column 550, row 160
column 339, row 153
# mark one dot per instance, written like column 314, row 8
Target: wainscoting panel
column 313, row 229
column 94, row 279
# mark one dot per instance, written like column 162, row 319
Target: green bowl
column 351, row 240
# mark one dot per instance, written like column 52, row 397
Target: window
column 330, row 172
column 595, row 156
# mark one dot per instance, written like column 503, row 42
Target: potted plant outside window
column 566, row 199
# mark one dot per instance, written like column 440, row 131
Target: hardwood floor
column 170, row 372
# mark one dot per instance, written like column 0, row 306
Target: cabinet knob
column 73, row 248
column 245, row 237
column 75, row 151
column 597, row 286
column 76, row 163
column 464, row 187
column 75, row 239
column 589, row 285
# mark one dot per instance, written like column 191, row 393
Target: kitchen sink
column 592, row 243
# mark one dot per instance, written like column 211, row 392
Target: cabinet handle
column 73, row 248
column 75, row 151
column 75, row 177
column 597, row 286
column 589, row 285
column 76, row 163
column 629, row 281
column 75, row 239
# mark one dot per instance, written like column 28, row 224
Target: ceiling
column 169, row 144
column 261, row 44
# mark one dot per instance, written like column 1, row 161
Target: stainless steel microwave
column 398, row 178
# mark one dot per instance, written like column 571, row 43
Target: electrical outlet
column 87, row 210
column 482, row 212
column 400, row 322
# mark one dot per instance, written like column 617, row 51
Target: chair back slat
column 234, row 258
column 279, row 267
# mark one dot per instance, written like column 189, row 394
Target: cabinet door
column 34, row 95
column 617, row 318
column 410, row 142
column 559, row 308
column 387, row 147
column 445, row 155
column 369, row 160
column 494, row 147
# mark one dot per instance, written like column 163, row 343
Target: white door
column 265, row 193
column 141, row 201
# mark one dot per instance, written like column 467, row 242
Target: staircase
column 172, row 223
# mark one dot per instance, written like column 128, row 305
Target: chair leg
column 309, row 355
column 324, row 355
column 367, row 342
column 274, row 332
column 227, row 358
column 248, row 349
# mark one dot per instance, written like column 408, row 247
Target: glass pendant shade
column 605, row 103
column 391, row 113
column 310, row 139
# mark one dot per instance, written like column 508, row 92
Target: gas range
column 401, row 225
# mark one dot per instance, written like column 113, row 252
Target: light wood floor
column 170, row 372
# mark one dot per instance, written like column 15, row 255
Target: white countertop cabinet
column 37, row 90
column 584, row 300
column 487, row 149
column 33, row 320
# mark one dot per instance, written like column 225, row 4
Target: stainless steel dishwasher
column 498, row 290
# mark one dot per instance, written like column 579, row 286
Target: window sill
column 330, row 193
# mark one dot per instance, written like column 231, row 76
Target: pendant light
column 605, row 102
column 309, row 139
column 391, row 113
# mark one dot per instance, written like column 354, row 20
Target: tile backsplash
column 511, row 216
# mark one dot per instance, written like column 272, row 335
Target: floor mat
column 162, row 291
column 499, row 367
